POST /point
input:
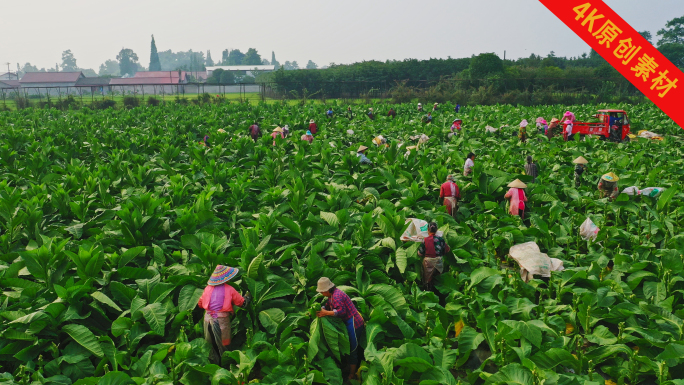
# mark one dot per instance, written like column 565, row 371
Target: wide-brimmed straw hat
column 450, row 177
column 517, row 184
column 324, row 284
column 555, row 120
column 436, row 104
column 610, row 177
column 378, row 140
column 311, row 121
column 420, row 104
column 362, row 148
column 308, row 132
column 278, row 129
column 222, row 274
column 458, row 120
column 580, row 160
column 524, row 123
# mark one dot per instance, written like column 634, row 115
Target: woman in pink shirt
column 517, row 197
column 218, row 300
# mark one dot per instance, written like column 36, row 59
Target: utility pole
column 9, row 74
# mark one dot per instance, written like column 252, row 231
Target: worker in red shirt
column 313, row 127
column 449, row 191
column 255, row 131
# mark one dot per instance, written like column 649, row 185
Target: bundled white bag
column 533, row 262
column 589, row 230
column 652, row 191
column 491, row 129
column 417, row 231
column 631, row 190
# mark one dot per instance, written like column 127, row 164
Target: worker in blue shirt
column 457, row 108
column 329, row 113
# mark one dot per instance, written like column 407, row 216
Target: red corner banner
column 626, row 50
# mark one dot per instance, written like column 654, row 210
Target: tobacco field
column 112, row 221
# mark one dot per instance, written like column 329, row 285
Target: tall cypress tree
column 210, row 61
column 274, row 61
column 155, row 65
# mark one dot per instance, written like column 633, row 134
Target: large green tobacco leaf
column 115, row 378
column 512, row 374
column 270, row 318
column 84, row 337
column 155, row 315
column 188, row 297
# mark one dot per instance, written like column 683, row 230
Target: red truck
column 612, row 125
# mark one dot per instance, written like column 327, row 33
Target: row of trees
column 586, row 73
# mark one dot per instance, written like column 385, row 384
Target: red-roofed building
column 151, row 82
column 50, row 79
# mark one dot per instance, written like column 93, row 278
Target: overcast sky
column 37, row 31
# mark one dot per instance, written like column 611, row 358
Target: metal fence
column 324, row 90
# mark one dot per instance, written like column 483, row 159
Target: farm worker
column 340, row 305
column 553, row 126
column 608, row 185
column 312, row 126
column 569, row 123
column 545, row 127
column 541, row 125
column 580, row 167
column 531, row 169
column 350, row 114
column 522, row 134
column 432, row 250
column 255, row 131
column 428, row 118
column 517, row 197
column 420, row 107
column 392, row 113
column 286, row 130
column 370, row 114
column 275, row 133
column 205, row 141
column 329, row 113
column 362, row 157
column 457, row 108
column 218, row 300
column 451, row 194
column 469, row 164
column 614, row 120
column 434, row 107
column 379, row 140
column 308, row 137
column 456, row 126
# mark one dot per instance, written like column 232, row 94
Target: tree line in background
column 482, row 79
column 127, row 62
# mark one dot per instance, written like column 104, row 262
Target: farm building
column 52, row 83
column 95, row 85
column 242, row 70
column 151, row 82
column 9, row 76
column 9, row 84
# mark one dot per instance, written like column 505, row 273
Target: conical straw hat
column 362, row 148
column 580, row 160
column 278, row 129
column 610, row 177
column 517, row 184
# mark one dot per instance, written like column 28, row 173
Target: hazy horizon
column 324, row 32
